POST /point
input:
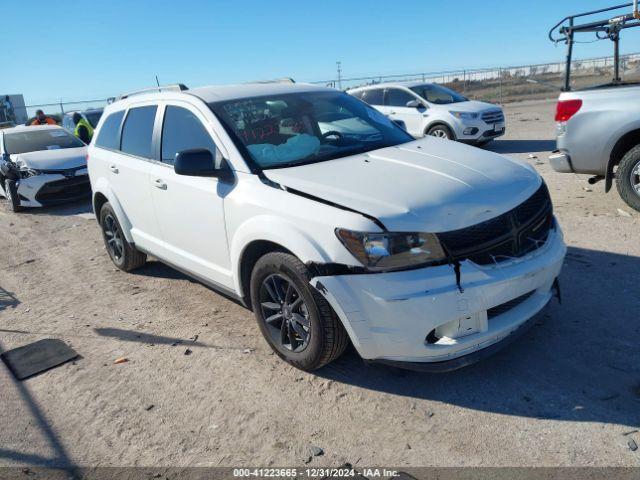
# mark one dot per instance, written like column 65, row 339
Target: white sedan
column 42, row 165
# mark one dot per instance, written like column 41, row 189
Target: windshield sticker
column 56, row 133
column 53, row 147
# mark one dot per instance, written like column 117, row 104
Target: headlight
column 465, row 115
column 28, row 172
column 391, row 251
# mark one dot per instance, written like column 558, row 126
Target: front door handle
column 158, row 183
column 114, row 169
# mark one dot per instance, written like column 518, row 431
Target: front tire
column 296, row 320
column 11, row 195
column 123, row 255
column 440, row 131
column 628, row 178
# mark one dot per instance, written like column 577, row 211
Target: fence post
column 500, row 87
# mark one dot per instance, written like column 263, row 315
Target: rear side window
column 108, row 136
column 398, row 98
column 137, row 132
column 373, row 97
column 183, row 131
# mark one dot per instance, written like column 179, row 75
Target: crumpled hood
column 61, row 159
column 429, row 185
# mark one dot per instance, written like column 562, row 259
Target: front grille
column 510, row 235
column 65, row 190
column 493, row 116
column 506, row 306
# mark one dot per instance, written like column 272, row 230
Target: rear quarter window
column 108, row 137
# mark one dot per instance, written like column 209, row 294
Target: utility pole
column 339, row 65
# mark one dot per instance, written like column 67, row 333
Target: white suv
column 431, row 109
column 328, row 220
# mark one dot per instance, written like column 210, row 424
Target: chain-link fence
column 509, row 84
column 59, row 109
column 497, row 85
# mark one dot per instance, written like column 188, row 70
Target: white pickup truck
column 598, row 131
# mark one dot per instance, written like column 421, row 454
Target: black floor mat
column 37, row 357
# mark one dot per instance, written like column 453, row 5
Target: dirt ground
column 567, row 393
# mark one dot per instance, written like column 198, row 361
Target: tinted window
column 398, row 98
column 108, row 136
column 183, row 131
column 37, row 140
column 138, row 131
column 438, row 95
column 359, row 95
column 373, row 97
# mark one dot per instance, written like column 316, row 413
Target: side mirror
column 199, row 162
column 414, row 104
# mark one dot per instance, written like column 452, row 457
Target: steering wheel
column 332, row 133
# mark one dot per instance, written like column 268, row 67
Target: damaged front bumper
column 420, row 318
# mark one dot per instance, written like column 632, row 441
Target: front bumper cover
column 389, row 315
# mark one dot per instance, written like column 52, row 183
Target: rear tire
column 440, row 131
column 628, row 178
column 11, row 195
column 123, row 255
column 303, row 328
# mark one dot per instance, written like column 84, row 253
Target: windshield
column 93, row 117
column 298, row 128
column 36, row 140
column 437, row 94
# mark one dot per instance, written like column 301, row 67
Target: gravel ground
column 567, row 393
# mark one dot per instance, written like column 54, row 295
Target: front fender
column 101, row 186
column 276, row 230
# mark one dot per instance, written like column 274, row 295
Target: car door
column 396, row 109
column 189, row 209
column 128, row 165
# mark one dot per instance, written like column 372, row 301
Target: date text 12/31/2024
column 315, row 473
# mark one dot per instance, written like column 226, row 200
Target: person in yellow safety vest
column 83, row 130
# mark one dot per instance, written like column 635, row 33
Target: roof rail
column 276, row 80
column 178, row 87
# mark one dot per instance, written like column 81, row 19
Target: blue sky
column 78, row 50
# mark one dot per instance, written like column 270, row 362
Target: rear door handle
column 158, row 183
column 114, row 169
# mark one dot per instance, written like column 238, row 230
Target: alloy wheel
column 439, row 133
column 634, row 178
column 113, row 236
column 285, row 313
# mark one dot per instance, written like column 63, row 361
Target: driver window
column 398, row 98
column 182, row 130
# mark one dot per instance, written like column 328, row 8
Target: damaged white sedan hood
column 59, row 159
column 429, row 185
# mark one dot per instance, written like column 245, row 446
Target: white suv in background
column 431, row 109
column 328, row 220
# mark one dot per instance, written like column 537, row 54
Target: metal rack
column 610, row 28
